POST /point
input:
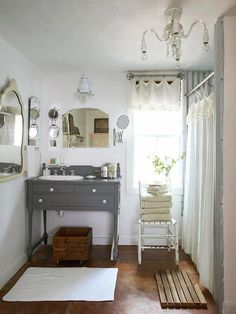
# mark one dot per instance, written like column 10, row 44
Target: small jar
column 104, row 172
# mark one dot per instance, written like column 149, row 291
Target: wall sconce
column 54, row 130
column 85, row 88
column 33, row 121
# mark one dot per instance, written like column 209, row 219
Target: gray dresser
column 78, row 195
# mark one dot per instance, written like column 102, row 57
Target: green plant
column 164, row 166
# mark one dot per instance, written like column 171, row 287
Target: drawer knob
column 104, row 201
column 40, row 200
column 51, row 189
column 94, row 190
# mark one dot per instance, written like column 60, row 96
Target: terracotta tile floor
column 136, row 291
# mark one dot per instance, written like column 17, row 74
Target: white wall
column 111, row 96
column 13, row 228
column 229, row 164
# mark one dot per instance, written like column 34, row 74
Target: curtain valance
column 152, row 95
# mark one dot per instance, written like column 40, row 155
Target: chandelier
column 85, row 88
column 173, row 34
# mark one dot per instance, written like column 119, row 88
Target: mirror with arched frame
column 11, row 133
column 85, row 127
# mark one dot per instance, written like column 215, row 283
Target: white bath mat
column 64, row 283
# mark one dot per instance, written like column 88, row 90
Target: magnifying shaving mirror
column 122, row 123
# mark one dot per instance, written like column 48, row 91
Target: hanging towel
column 161, row 210
column 158, row 217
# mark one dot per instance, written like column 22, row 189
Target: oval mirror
column 11, row 133
column 34, row 113
column 53, row 113
column 123, row 122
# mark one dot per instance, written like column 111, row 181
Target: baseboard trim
column 229, row 307
column 11, row 269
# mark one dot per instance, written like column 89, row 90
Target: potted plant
column 163, row 166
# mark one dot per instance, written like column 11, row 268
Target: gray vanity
column 73, row 195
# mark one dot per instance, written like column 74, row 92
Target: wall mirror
column 85, row 127
column 11, row 133
column 33, row 121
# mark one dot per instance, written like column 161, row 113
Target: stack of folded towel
column 156, row 203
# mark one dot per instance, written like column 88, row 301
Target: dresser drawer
column 94, row 189
column 42, row 201
column 53, row 188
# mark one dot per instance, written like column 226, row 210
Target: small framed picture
column 101, row 125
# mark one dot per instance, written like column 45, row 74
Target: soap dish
column 90, row 177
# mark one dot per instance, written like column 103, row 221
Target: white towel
column 159, row 197
column 157, row 191
column 157, row 183
column 158, row 217
column 157, row 187
column 164, row 210
column 156, row 204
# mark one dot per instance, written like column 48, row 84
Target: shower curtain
column 197, row 237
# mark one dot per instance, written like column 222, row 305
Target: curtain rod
column 132, row 75
column 199, row 85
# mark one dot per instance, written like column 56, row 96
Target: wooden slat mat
column 177, row 290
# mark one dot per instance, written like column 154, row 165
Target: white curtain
column 150, row 95
column 197, row 237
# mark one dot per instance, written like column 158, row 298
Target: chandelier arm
column 157, row 36
column 192, row 25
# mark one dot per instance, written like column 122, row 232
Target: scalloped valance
column 152, row 95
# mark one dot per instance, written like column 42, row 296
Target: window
column 156, row 133
column 18, row 130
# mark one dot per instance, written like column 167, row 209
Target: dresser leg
column 114, row 251
column 45, row 235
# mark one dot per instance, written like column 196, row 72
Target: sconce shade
column 85, row 88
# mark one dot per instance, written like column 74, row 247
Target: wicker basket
column 72, row 243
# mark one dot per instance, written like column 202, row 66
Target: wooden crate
column 72, row 243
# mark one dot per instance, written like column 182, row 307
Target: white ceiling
column 63, row 34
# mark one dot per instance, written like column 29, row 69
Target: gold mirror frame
column 12, row 87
